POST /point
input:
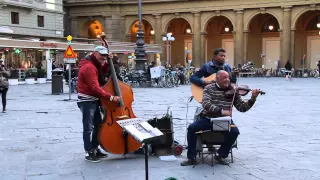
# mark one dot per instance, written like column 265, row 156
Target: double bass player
column 89, row 93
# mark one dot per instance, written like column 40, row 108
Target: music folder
column 140, row 129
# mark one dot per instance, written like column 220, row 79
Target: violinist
column 216, row 104
column 89, row 92
column 212, row 67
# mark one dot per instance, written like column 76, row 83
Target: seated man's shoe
column 189, row 162
column 101, row 155
column 92, row 157
column 221, row 160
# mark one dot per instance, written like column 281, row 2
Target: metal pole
column 69, row 81
column 146, row 160
column 140, row 52
column 139, row 11
column 170, row 51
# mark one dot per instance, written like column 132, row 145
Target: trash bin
column 57, row 81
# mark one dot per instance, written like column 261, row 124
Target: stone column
column 123, row 32
column 196, row 41
column 245, row 46
column 114, row 27
column 286, row 33
column 292, row 57
column 108, row 27
column 74, row 30
column 203, row 48
column 158, row 29
column 239, row 38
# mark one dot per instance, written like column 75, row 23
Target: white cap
column 101, row 49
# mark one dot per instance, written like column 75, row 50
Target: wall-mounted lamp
column 188, row 31
column 152, row 32
column 226, row 29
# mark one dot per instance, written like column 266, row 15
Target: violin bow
column 234, row 94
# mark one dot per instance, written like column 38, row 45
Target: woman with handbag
column 4, row 84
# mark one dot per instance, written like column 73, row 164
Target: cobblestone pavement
column 41, row 135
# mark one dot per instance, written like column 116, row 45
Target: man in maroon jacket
column 89, row 92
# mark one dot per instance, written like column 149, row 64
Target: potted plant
column 14, row 77
column 30, row 77
column 41, row 78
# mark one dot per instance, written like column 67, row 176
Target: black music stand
column 143, row 132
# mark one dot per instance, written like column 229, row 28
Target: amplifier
column 164, row 145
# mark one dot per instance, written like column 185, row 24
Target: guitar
column 197, row 91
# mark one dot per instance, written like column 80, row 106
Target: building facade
column 263, row 31
column 32, row 17
column 32, row 31
column 25, row 28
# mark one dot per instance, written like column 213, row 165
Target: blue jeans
column 204, row 125
column 73, row 85
column 91, row 120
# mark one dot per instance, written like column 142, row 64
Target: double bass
column 111, row 136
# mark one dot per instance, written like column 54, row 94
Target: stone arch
column 204, row 27
column 167, row 23
column 307, row 21
column 143, row 19
column 92, row 28
column 146, row 27
column 296, row 18
column 253, row 15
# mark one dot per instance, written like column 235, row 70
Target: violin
column 241, row 90
column 112, row 138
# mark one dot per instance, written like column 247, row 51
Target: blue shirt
column 207, row 70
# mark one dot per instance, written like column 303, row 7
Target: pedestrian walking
column 4, row 84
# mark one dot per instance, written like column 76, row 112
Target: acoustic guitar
column 197, row 91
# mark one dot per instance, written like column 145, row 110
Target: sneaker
column 90, row 156
column 221, row 160
column 101, row 155
column 189, row 162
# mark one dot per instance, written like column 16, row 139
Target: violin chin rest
column 122, row 117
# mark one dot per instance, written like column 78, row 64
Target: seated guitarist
column 216, row 104
column 212, row 67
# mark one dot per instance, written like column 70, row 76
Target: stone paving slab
column 41, row 135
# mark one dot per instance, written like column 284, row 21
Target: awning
column 115, row 47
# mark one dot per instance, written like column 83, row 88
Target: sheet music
column 139, row 128
column 137, row 134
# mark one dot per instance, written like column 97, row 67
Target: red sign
column 69, row 53
column 52, row 45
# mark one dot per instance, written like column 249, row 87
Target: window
column 14, row 18
column 40, row 21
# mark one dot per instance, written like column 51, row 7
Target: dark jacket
column 207, row 70
column 4, row 74
column 288, row 66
